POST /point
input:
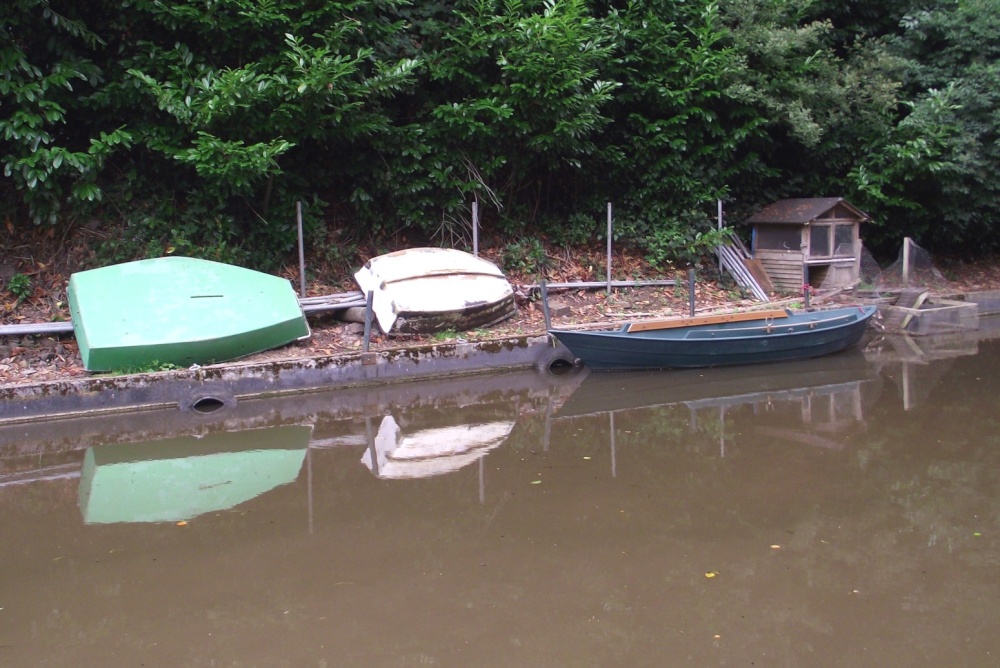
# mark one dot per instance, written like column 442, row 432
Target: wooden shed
column 814, row 241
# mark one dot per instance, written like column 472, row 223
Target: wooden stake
column 545, row 306
column 720, row 229
column 906, row 262
column 475, row 228
column 609, row 248
column 691, row 290
column 368, row 321
column 302, row 252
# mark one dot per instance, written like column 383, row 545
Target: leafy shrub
column 677, row 244
column 19, row 285
column 525, row 256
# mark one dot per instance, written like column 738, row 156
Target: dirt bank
column 48, row 265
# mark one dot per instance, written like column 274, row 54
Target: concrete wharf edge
column 232, row 382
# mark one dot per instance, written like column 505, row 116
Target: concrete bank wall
column 337, row 415
column 988, row 301
column 226, row 384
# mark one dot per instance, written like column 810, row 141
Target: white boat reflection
column 181, row 478
column 395, row 453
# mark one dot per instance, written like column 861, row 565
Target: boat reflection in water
column 602, row 392
column 411, row 451
column 181, row 478
column 824, row 395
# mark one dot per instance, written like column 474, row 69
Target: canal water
column 838, row 512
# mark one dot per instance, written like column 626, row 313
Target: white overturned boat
column 427, row 290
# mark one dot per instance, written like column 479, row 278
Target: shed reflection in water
column 839, row 527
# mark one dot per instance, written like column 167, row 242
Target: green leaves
column 931, row 171
column 43, row 71
column 203, row 123
column 20, row 286
column 232, row 163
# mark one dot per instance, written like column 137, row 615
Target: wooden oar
column 706, row 320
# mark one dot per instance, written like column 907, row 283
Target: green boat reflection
column 181, row 478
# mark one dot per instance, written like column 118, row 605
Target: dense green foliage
column 194, row 126
column 950, row 135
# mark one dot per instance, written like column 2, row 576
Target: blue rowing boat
column 719, row 340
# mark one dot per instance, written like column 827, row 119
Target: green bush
column 19, row 285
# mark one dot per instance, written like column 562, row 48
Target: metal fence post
column 609, row 248
column 368, row 321
column 691, row 290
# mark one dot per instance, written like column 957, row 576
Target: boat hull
column 428, row 290
column 179, row 311
column 799, row 336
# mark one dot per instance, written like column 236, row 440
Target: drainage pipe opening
column 207, row 405
column 204, row 402
column 556, row 361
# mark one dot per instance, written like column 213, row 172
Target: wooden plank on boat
column 706, row 320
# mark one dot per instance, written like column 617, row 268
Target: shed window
column 778, row 237
column 831, row 241
column 843, row 240
column 819, row 241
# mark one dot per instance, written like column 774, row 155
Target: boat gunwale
column 664, row 334
column 719, row 345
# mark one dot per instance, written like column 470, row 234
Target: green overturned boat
column 181, row 311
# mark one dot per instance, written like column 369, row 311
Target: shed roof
column 804, row 211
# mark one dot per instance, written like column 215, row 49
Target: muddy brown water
column 843, row 512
